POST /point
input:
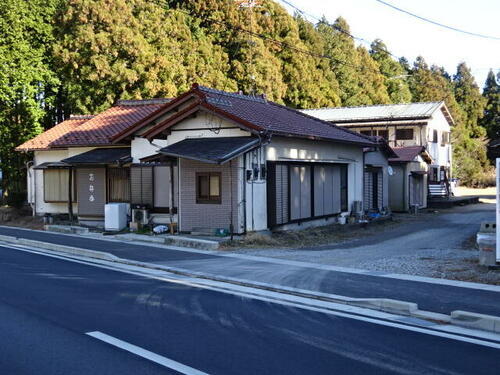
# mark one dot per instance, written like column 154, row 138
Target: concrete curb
column 459, row 318
column 478, row 321
column 181, row 241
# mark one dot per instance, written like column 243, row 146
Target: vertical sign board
column 498, row 209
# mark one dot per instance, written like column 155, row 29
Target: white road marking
column 345, row 311
column 153, row 357
column 356, row 271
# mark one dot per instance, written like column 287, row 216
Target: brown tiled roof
column 276, row 118
column 254, row 113
column 93, row 130
column 43, row 141
column 408, row 154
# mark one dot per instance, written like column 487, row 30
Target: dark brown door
column 91, row 184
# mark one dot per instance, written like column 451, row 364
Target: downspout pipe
column 29, row 164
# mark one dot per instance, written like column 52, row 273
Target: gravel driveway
column 437, row 244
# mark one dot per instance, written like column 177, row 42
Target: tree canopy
column 62, row 57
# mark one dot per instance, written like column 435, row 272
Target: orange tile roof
column 81, row 131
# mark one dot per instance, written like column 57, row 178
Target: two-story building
column 403, row 125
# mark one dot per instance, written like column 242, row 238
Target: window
column 343, row 188
column 55, row 185
column 384, row 134
column 164, row 197
column 404, row 134
column 141, row 183
column 445, row 138
column 119, row 185
column 208, row 187
column 366, row 132
column 435, row 136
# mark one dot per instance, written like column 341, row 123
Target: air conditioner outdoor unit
column 140, row 215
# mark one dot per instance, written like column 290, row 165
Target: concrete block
column 194, row 243
column 476, row 321
column 66, row 229
column 387, row 305
column 487, row 248
column 488, row 227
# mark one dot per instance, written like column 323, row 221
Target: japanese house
column 207, row 160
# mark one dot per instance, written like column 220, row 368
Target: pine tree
column 112, row 49
column 470, row 138
column 345, row 60
column 491, row 118
column 470, row 99
column 373, row 89
column 25, row 82
column 395, row 73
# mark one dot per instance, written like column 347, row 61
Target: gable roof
column 95, row 130
column 253, row 113
column 408, row 154
column 383, row 112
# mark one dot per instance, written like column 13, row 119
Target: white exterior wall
column 441, row 155
column 255, row 192
column 35, row 180
column 422, row 136
column 295, row 149
column 194, row 127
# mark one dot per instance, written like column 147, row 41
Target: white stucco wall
column 203, row 125
column 295, row 149
column 441, row 155
column 35, row 180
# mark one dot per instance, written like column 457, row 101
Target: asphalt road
column 429, row 296
column 48, row 305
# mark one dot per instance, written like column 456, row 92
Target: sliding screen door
column 300, row 192
column 326, row 190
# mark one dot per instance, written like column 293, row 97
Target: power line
column 229, row 26
column 343, row 31
column 437, row 23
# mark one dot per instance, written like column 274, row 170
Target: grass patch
column 310, row 237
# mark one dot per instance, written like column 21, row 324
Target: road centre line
column 344, row 311
column 153, row 357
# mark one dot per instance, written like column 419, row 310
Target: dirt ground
column 434, row 243
column 19, row 217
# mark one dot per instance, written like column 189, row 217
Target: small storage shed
column 408, row 178
column 375, row 177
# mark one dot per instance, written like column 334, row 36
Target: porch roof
column 211, row 150
column 101, row 156
column 409, row 153
column 52, row 165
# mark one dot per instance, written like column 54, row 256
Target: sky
column 410, row 37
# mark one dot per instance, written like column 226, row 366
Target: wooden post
column 70, row 195
column 231, row 226
column 171, row 210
